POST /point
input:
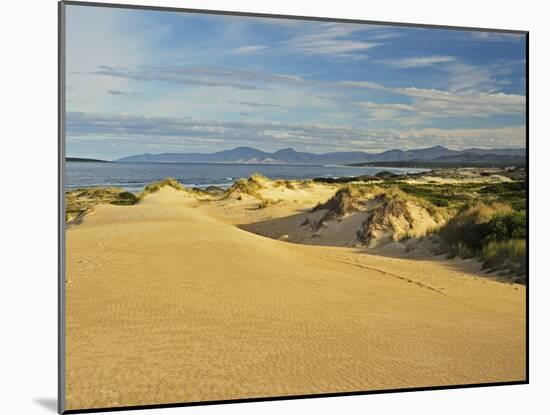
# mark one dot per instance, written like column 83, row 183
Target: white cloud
column 177, row 75
column 249, row 49
column 433, row 103
column 363, row 84
column 255, row 104
column 333, row 40
column 464, row 77
column 496, row 36
column 117, row 92
column 128, row 134
column 418, row 61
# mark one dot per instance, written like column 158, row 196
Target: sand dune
column 356, row 218
column 168, row 301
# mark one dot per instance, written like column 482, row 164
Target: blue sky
column 155, row 81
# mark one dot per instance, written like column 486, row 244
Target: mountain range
column 251, row 155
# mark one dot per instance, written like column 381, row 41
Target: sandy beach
column 178, row 298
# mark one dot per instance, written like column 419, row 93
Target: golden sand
column 168, row 301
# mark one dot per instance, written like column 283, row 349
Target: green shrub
column 125, row 198
column 439, row 195
column 512, row 193
column 494, row 233
column 512, row 225
column 504, row 187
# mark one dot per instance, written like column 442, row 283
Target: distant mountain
column 421, row 154
column 81, row 159
column 462, row 159
column 250, row 155
column 482, row 157
column 290, row 156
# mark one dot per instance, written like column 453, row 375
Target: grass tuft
column 508, row 255
column 156, row 186
column 250, row 186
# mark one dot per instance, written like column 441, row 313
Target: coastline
column 102, row 174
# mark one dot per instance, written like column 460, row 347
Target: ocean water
column 134, row 176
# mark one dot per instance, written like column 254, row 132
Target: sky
column 142, row 81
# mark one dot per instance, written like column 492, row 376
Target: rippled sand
column 169, row 302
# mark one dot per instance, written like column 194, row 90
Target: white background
column 28, row 163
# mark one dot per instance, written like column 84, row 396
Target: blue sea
column 134, row 176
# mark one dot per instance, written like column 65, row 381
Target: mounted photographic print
column 261, row 207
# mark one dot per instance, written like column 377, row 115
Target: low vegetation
column 494, row 233
column 80, row 201
column 343, row 180
column 250, row 186
column 346, row 200
column 156, row 186
column 285, row 183
column 253, row 187
column 439, row 195
column 509, row 257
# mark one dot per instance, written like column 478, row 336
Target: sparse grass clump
column 348, row 199
column 125, row 199
column 267, row 202
column 208, row 191
column 250, row 186
column 390, row 207
column 438, row 212
column 286, row 183
column 80, row 201
column 156, row 186
column 508, row 255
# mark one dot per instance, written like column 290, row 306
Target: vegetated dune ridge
column 168, row 301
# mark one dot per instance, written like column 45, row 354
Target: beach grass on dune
column 156, row 186
column 80, row 201
column 509, row 256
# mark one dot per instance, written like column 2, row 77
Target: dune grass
column 80, row 201
column 494, row 233
column 508, row 255
column 250, row 186
column 348, row 199
column 125, row 199
column 156, row 186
